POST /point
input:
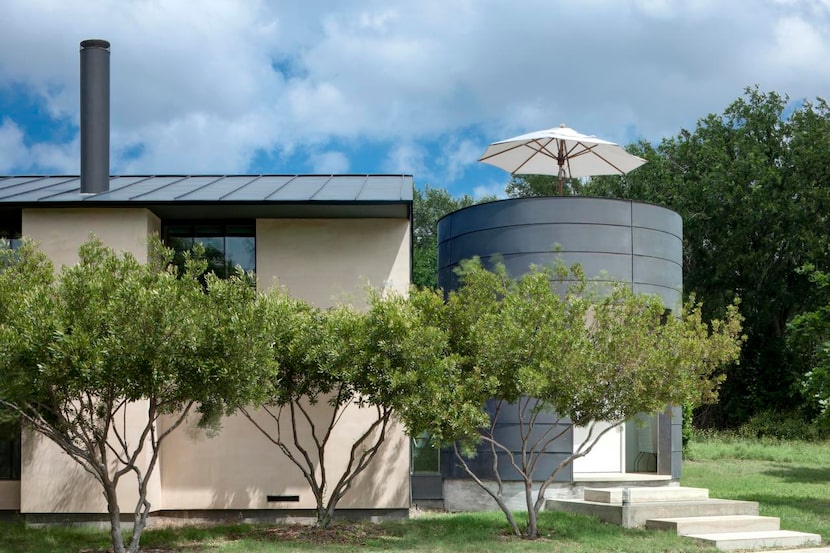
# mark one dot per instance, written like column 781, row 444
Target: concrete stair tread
column 757, row 540
column 645, row 494
column 685, row 525
column 635, row 515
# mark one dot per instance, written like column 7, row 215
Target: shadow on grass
column 800, row 475
column 817, row 506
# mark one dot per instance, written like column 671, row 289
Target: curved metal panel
column 614, row 240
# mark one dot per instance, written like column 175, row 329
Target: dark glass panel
column 9, row 451
column 241, row 250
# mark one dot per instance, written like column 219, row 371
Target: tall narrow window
column 11, row 227
column 9, row 451
column 227, row 244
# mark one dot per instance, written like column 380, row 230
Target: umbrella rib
column 541, row 150
column 590, row 150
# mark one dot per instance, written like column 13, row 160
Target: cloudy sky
column 387, row 86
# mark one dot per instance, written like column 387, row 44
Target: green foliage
column 751, row 186
column 380, row 359
column 107, row 346
column 584, row 353
column 530, row 186
column 788, row 425
column 429, row 205
column 809, row 337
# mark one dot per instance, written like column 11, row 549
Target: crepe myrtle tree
column 339, row 360
column 108, row 357
column 548, row 343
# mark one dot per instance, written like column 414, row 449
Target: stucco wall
column 322, row 261
column 60, row 232
column 50, row 480
column 329, row 261
column 239, row 468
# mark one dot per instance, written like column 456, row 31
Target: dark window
column 227, row 244
column 9, row 451
column 11, row 222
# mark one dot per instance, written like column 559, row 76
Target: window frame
column 222, row 228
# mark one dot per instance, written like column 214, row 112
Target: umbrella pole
column 560, row 180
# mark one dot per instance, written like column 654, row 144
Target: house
column 323, row 237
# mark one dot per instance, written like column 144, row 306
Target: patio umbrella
column 560, row 151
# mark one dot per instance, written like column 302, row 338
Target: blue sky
column 273, row 86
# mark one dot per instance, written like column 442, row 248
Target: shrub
column 791, row 425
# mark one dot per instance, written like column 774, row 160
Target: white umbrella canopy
column 560, row 151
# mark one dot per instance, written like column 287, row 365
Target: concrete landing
column 757, row 540
column 635, row 515
column 805, row 550
column 645, row 495
column 711, row 524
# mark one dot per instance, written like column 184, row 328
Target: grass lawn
column 790, row 479
column 473, row 532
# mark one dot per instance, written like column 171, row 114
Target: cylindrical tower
column 614, row 240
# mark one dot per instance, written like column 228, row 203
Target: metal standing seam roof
column 214, row 189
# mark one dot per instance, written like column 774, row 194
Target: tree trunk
column 497, row 497
column 532, row 530
column 324, row 515
column 138, row 529
column 115, row 518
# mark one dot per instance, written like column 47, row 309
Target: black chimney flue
column 95, row 116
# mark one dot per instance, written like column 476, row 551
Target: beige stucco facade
column 330, row 261
column 50, row 481
column 325, row 261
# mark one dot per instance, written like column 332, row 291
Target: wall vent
column 285, row 498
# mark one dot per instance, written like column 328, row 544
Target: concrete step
column 635, row 515
column 712, row 524
column 645, row 494
column 757, row 540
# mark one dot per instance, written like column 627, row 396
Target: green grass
column 791, row 480
column 469, row 532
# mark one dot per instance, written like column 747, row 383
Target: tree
column 429, row 206
column 531, row 186
column 751, row 186
column 584, row 356
column 809, row 334
column 346, row 360
column 92, row 357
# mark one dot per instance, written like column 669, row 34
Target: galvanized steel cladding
column 614, row 240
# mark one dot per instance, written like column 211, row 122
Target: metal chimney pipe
column 95, row 116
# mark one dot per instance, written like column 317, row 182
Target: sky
column 387, row 86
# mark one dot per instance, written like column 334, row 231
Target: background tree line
column 753, row 187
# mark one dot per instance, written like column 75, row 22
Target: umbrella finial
column 561, row 125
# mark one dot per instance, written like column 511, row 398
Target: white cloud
column 332, row 163
column 204, row 88
column 490, row 189
column 12, row 149
column 406, row 158
column 42, row 157
column 799, row 45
